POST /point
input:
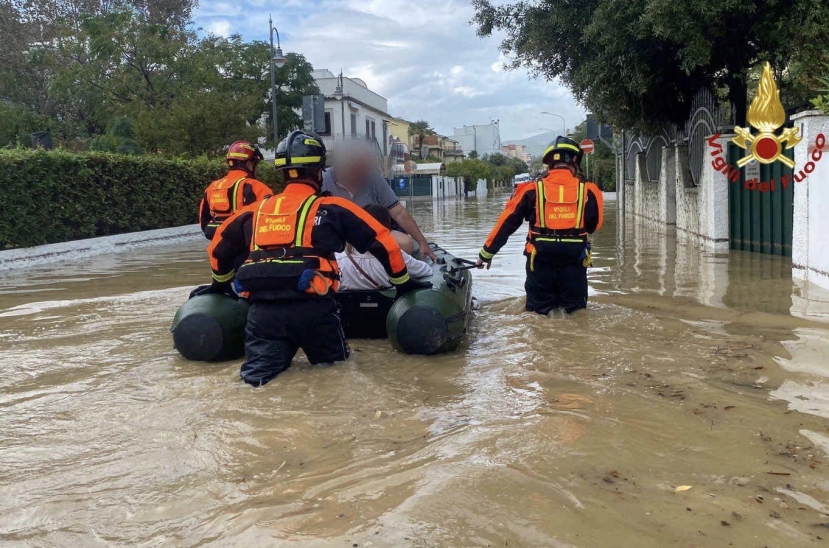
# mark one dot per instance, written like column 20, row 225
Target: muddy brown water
column 689, row 369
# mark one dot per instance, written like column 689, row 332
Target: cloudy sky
column 422, row 55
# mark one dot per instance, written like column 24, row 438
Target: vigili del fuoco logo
column 766, row 115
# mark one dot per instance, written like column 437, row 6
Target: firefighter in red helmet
column 562, row 209
column 235, row 190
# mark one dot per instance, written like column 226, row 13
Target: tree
column 473, row 154
column 473, row 169
column 86, row 69
column 420, row 129
column 637, row 64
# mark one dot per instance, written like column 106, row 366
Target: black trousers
column 276, row 330
column 556, row 284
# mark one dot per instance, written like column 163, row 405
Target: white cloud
column 422, row 56
column 221, row 28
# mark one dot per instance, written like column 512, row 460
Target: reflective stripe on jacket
column 286, row 244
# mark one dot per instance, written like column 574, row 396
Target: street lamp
column 278, row 60
column 563, row 123
column 339, row 94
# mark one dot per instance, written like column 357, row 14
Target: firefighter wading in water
column 288, row 242
column 562, row 210
column 235, row 190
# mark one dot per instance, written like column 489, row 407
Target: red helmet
column 242, row 151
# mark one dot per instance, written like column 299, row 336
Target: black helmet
column 563, row 150
column 302, row 154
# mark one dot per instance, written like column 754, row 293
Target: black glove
column 411, row 285
column 215, row 288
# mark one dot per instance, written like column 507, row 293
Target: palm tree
column 421, row 129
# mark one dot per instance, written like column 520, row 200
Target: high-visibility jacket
column 561, row 209
column 225, row 196
column 283, row 247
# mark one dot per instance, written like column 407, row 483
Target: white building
column 353, row 110
column 485, row 139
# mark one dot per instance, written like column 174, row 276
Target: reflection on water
column 687, row 369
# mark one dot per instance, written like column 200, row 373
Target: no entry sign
column 587, row 146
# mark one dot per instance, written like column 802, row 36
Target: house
column 437, row 146
column 482, row 138
column 354, row 111
column 516, row 151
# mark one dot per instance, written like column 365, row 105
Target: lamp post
column 563, row 122
column 339, row 93
column 278, row 60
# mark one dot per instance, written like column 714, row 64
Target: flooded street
column 688, row 406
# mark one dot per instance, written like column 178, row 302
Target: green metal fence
column 418, row 185
column 760, row 211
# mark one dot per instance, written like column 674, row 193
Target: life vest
column 222, row 199
column 282, row 256
column 559, row 218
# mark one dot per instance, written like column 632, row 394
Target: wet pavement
column 688, row 406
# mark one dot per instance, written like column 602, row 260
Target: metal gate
column 760, row 210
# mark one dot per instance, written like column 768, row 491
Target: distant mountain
column 536, row 144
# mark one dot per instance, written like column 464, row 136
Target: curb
column 78, row 249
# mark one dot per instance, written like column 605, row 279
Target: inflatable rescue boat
column 426, row 321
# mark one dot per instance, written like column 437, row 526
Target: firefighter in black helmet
column 290, row 274
column 562, row 209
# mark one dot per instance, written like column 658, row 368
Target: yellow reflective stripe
column 233, row 201
column 256, row 223
column 580, row 210
column 540, row 214
column 561, row 194
column 486, row 254
column 240, row 155
column 224, row 278
column 549, row 149
column 303, row 217
column 568, row 145
column 298, row 159
column 401, row 280
column 566, row 240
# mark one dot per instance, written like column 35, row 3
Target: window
column 373, row 131
column 368, row 129
column 327, row 129
column 353, row 124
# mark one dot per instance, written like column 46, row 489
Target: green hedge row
column 57, row 196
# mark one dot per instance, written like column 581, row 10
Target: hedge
column 57, row 196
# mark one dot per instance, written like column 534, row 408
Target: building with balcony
column 354, row 111
column 437, row 146
column 516, row 151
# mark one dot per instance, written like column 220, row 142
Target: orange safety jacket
column 225, row 196
column 285, row 244
column 561, row 209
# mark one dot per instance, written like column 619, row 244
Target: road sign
column 587, row 146
column 410, row 166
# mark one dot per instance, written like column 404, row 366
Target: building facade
column 482, row 138
column 437, row 146
column 354, row 111
column 516, row 151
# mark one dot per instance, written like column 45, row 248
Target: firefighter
column 286, row 245
column 562, row 209
column 235, row 190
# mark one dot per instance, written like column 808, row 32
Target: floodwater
column 688, row 406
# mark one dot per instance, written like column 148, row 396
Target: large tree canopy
column 133, row 76
column 638, row 63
